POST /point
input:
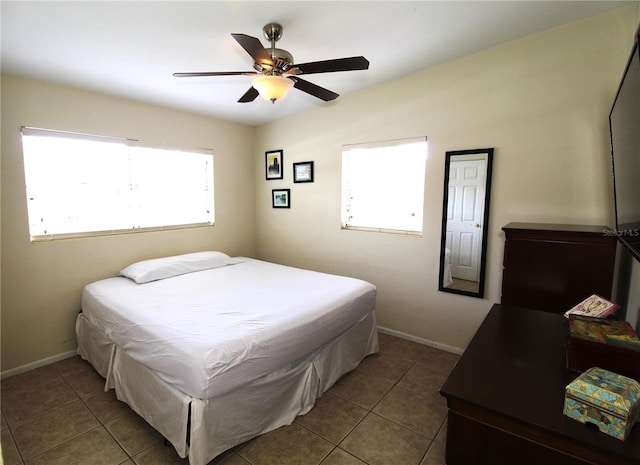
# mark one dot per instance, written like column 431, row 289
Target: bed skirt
column 204, row 428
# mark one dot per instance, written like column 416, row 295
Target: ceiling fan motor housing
column 282, row 59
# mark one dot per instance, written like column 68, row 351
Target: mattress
column 209, row 332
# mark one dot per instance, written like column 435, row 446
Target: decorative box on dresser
column 552, row 267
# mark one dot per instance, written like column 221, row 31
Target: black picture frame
column 281, row 198
column 303, row 171
column 273, row 164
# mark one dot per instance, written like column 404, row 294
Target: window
column 79, row 185
column 383, row 185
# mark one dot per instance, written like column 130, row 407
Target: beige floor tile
column 232, row 459
column 361, row 389
column 53, row 428
column 106, row 406
column 439, row 360
column 133, row 433
column 289, row 445
column 385, row 366
column 96, row 447
column 27, row 396
column 340, row 457
column 378, row 441
column 423, row 379
column 72, row 365
column 411, row 410
column 332, row 417
column 159, row 454
column 435, row 455
column 84, row 380
column 10, row 454
column 30, row 380
column 229, row 457
column 401, row 348
column 441, row 438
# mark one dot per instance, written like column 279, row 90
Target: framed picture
column 281, row 198
column 273, row 162
column 303, row 172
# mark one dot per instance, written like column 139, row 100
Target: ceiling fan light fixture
column 272, row 88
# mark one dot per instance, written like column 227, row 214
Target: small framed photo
column 281, row 198
column 273, row 162
column 303, row 172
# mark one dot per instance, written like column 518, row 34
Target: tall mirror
column 465, row 215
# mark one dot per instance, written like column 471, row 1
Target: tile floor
column 462, row 285
column 386, row 412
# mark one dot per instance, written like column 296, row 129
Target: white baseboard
column 419, row 340
column 37, row 364
column 71, row 353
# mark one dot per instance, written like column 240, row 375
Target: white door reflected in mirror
column 465, row 212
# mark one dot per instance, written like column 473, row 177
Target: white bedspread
column 211, row 331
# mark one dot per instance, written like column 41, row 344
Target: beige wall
column 542, row 102
column 42, row 282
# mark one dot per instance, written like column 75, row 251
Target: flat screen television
column 624, row 126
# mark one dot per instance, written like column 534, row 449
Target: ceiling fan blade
column 249, row 96
column 314, row 89
column 254, row 48
column 330, row 66
column 217, row 73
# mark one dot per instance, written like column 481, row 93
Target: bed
column 212, row 350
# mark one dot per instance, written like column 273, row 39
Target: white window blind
column 383, row 185
column 80, row 185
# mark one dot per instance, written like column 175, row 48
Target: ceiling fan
column 276, row 72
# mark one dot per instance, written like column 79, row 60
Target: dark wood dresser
column 553, row 267
column 506, row 395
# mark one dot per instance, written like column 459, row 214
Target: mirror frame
column 443, row 237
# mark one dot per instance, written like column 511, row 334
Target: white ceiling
column 130, row 49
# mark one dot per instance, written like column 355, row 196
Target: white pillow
column 167, row 267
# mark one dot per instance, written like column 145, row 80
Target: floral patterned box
column 609, row 344
column 606, row 399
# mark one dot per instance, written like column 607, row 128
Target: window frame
column 129, row 143
column 344, row 224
